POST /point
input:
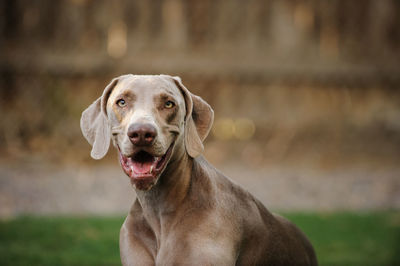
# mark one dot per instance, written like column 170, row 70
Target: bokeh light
column 244, row 128
column 117, row 39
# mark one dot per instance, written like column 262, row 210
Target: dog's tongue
column 140, row 164
column 142, row 167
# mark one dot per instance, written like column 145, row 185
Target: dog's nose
column 142, row 134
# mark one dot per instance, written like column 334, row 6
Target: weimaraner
column 186, row 211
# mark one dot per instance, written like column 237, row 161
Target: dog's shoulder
column 231, row 199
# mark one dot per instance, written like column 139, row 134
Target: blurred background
column 305, row 93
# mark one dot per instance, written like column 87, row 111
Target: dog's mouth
column 144, row 168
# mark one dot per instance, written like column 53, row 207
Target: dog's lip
column 157, row 164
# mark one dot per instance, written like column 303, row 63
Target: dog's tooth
column 151, row 168
column 132, row 168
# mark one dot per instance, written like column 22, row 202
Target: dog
column 186, row 212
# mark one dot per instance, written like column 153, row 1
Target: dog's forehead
column 147, row 85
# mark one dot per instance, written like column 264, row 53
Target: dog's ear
column 198, row 120
column 94, row 123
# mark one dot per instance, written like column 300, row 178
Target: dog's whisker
column 116, row 131
column 117, row 128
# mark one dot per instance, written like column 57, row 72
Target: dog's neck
column 170, row 191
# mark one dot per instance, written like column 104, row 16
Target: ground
column 339, row 239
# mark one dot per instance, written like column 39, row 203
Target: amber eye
column 169, row 104
column 121, row 103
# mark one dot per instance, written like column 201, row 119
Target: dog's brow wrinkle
column 167, row 91
column 127, row 93
column 167, row 94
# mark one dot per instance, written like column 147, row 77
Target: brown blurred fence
column 286, row 78
column 357, row 38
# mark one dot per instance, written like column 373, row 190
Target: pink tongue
column 142, row 168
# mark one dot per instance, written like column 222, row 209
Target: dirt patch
column 102, row 189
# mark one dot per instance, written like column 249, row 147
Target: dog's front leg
column 133, row 252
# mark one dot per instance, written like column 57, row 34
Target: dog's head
column 151, row 120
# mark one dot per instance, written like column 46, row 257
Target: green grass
column 339, row 239
column 60, row 241
column 353, row 238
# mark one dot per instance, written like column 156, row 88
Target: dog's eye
column 169, row 104
column 121, row 103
